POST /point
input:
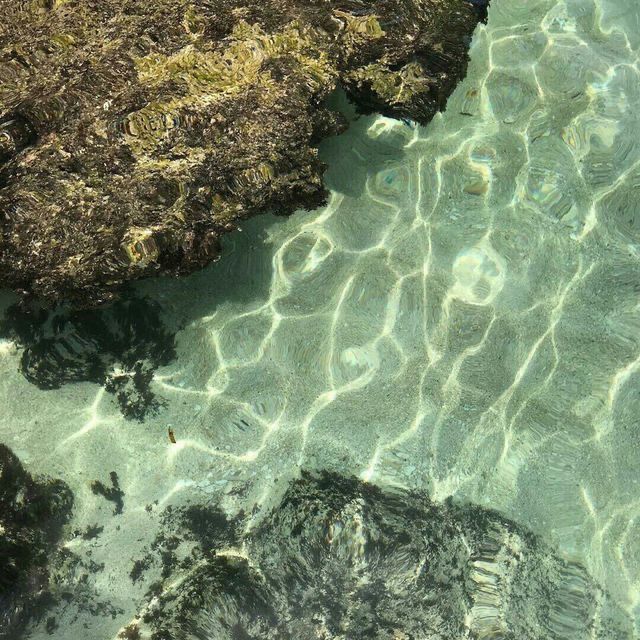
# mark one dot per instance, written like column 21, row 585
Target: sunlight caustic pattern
column 468, row 320
column 462, row 316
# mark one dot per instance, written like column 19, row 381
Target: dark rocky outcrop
column 134, row 134
column 32, row 513
column 339, row 558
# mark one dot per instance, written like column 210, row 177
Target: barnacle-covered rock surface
column 133, row 134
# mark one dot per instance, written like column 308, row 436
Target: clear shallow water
column 462, row 317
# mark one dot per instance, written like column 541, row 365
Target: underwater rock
column 339, row 558
column 134, row 134
column 119, row 346
column 32, row 513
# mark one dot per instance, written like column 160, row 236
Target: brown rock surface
column 133, row 134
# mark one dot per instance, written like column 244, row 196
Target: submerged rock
column 339, row 558
column 32, row 513
column 134, row 134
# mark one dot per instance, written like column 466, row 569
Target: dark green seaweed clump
column 113, row 493
column 119, row 346
column 32, row 514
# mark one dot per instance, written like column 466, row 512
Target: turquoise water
column 463, row 317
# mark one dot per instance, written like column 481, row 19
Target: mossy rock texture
column 339, row 558
column 133, row 134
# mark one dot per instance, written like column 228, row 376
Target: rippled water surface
column 463, row 317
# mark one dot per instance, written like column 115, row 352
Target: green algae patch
column 359, row 29
column 212, row 76
column 393, row 87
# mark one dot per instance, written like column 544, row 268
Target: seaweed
column 113, row 493
column 33, row 512
column 119, row 347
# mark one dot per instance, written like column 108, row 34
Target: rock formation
column 339, row 558
column 134, row 134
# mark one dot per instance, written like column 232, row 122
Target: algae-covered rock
column 338, row 558
column 133, row 134
column 32, row 512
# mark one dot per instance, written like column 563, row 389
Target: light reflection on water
column 464, row 318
